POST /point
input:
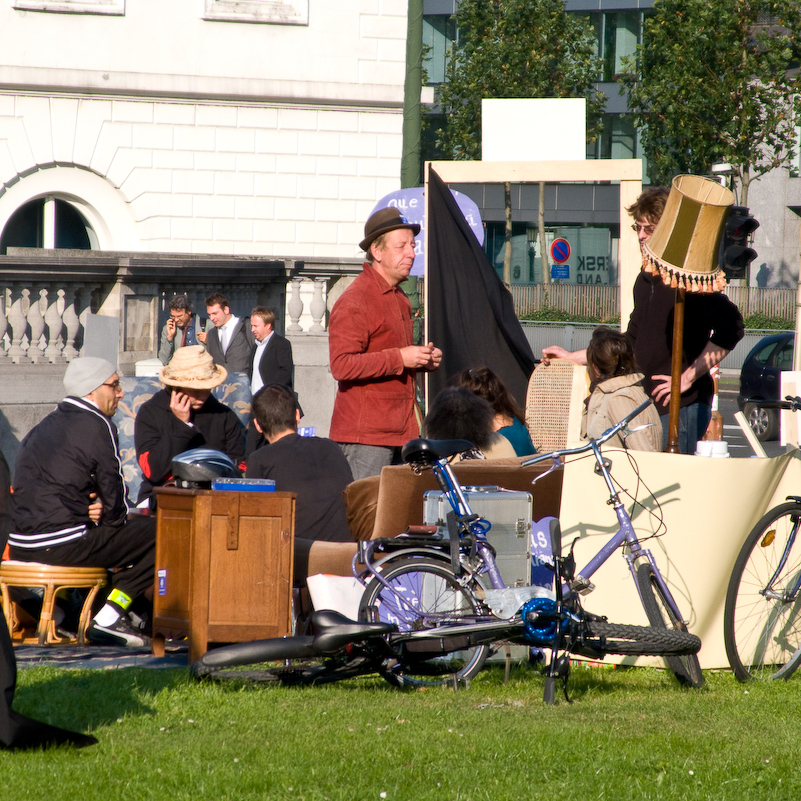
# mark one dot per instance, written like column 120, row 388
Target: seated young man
column 184, row 415
column 313, row 467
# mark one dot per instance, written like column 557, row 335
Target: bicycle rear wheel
column 762, row 617
column 280, row 660
column 423, row 594
column 618, row 638
column 686, row 668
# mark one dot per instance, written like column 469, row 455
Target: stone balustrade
column 48, row 297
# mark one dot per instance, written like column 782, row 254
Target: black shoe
column 121, row 632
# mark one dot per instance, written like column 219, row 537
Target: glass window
column 764, row 353
column 784, row 358
column 620, row 36
column 590, row 259
column 439, row 33
column 47, row 223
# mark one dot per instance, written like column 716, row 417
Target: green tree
column 513, row 49
column 713, row 81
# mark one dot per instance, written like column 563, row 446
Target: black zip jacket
column 72, row 453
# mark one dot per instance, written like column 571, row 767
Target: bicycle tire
column 621, row 638
column 762, row 635
column 434, row 594
column 300, row 664
column 686, row 668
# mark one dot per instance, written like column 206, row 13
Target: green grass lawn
column 629, row 734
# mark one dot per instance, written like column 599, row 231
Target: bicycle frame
column 633, row 553
column 467, row 521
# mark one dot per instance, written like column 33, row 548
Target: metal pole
column 412, row 118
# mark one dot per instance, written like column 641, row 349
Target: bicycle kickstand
column 559, row 667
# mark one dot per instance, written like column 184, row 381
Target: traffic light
column 735, row 253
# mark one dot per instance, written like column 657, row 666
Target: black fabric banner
column 470, row 312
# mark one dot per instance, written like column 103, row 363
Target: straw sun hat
column 193, row 368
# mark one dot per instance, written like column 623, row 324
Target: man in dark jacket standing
column 230, row 342
column 184, row 415
column 69, row 505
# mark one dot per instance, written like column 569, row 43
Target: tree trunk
column 546, row 269
column 507, row 248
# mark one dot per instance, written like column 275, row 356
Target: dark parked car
column 760, row 379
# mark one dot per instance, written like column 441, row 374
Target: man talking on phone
column 181, row 329
column 184, row 415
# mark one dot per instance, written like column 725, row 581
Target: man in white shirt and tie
column 271, row 362
column 230, row 342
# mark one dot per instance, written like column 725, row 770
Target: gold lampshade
column 685, row 244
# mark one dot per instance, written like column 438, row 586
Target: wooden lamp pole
column 675, row 373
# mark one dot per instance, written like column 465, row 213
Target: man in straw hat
column 371, row 350
column 184, row 415
column 712, row 327
column 69, row 505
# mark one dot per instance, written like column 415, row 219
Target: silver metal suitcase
column 509, row 512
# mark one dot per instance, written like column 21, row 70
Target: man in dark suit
column 272, row 353
column 230, row 342
column 271, row 363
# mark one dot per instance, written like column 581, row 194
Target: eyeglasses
column 646, row 228
column 115, row 385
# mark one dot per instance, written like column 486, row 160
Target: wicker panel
column 548, row 404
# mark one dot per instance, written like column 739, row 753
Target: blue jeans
column 693, row 423
column 367, row 460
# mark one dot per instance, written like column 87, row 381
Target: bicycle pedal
column 581, row 585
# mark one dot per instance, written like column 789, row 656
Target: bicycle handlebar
column 790, row 403
column 607, row 435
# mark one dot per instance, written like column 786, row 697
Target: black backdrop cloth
column 471, row 316
column 16, row 730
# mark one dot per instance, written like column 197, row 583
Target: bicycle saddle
column 335, row 631
column 428, row 451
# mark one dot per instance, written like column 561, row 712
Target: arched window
column 48, row 222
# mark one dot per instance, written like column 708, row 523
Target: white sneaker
column 121, row 632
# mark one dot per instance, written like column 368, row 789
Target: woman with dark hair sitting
column 615, row 389
column 457, row 413
column 509, row 419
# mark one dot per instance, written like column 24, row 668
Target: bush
column 762, row 321
column 549, row 314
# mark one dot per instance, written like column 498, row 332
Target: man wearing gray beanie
column 69, row 505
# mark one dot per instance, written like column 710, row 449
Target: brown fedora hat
column 383, row 221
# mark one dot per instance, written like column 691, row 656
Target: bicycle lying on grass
column 762, row 616
column 433, row 606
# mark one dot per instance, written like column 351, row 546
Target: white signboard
column 534, row 129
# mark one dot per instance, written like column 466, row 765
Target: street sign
column 560, row 250
column 560, row 271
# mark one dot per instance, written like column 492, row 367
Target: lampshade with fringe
column 684, row 246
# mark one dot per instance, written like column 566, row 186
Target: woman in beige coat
column 615, row 389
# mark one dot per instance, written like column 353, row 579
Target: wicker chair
column 553, row 404
column 51, row 578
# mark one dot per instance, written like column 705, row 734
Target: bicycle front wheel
column 423, row 593
column 686, row 668
column 618, row 638
column 762, row 617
